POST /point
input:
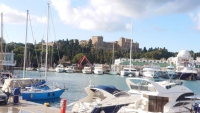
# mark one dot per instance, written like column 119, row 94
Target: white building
column 8, row 59
column 183, row 56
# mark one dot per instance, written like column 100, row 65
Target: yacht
column 59, row 68
column 87, row 70
column 186, row 72
column 152, row 71
column 169, row 73
column 99, row 97
column 98, row 70
column 69, row 69
column 129, row 72
column 158, row 97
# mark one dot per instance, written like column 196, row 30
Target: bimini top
column 110, row 89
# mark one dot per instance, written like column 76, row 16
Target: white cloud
column 13, row 16
column 113, row 15
column 196, row 19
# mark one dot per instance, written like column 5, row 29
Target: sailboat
column 113, row 72
column 29, row 68
column 38, row 93
column 129, row 71
column 41, row 68
column 3, row 74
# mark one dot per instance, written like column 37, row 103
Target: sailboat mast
column 25, row 45
column 47, row 42
column 131, row 46
column 113, row 54
column 1, row 25
column 1, row 41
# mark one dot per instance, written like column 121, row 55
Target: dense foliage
column 70, row 50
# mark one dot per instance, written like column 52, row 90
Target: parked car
column 3, row 97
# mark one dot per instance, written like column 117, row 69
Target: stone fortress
column 122, row 45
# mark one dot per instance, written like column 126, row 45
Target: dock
column 27, row 107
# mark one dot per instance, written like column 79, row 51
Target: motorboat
column 169, row 73
column 98, row 70
column 187, row 72
column 129, row 72
column 87, row 70
column 158, row 97
column 41, row 69
column 69, row 69
column 29, row 69
column 101, row 96
column 152, row 71
column 59, row 68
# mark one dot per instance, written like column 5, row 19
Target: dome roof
column 183, row 53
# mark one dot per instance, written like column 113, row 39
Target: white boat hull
column 59, row 70
column 41, row 70
column 151, row 74
column 69, row 71
column 29, row 69
column 86, row 72
column 98, row 72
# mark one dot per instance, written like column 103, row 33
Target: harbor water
column 76, row 82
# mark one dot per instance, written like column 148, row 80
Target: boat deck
column 27, row 107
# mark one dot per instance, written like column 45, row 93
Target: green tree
column 77, row 57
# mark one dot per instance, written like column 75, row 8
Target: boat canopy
column 110, row 89
column 9, row 84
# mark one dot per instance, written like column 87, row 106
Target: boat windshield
column 142, row 85
column 121, row 94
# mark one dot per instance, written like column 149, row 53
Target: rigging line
column 4, row 38
column 54, row 34
column 33, row 40
column 55, row 39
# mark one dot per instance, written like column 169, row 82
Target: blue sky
column 173, row 24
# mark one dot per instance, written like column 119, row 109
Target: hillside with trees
column 68, row 50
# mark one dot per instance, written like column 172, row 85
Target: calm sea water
column 76, row 82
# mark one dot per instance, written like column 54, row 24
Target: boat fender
column 49, row 94
column 47, row 104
